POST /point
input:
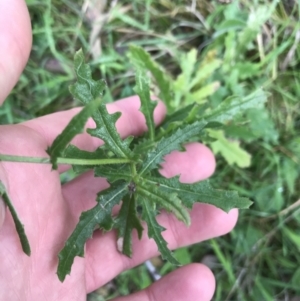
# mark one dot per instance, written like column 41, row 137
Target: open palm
column 50, row 211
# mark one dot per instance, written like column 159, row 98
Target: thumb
column 15, row 43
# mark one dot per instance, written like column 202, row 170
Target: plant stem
column 133, row 169
column 72, row 161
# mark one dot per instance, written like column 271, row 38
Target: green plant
column 131, row 165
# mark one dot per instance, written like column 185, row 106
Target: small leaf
column 201, row 94
column 201, row 192
column 19, row 226
column 140, row 58
column 262, row 125
column 85, row 89
column 106, row 130
column 126, row 221
column 147, row 105
column 234, row 106
column 230, row 150
column 169, row 201
column 173, row 141
column 154, row 231
column 74, row 127
column 99, row 215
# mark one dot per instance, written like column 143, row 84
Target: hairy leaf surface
column 169, row 201
column 201, row 192
column 142, row 59
column 73, row 152
column 234, row 106
column 154, row 231
column 173, row 141
column 99, row 215
column 85, row 89
column 74, row 127
column 114, row 172
column 147, row 106
column 106, row 130
column 126, row 221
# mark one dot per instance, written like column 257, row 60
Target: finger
column 15, row 43
column 2, row 212
column 104, row 262
column 131, row 122
column 2, row 205
column 189, row 283
column 195, row 164
column 81, row 193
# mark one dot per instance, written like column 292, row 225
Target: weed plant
column 209, row 51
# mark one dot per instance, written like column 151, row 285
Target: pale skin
column 50, row 211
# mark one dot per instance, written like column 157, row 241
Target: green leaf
column 125, row 222
column 99, row 215
column 201, row 192
column 19, row 226
column 147, row 106
column 230, row 150
column 114, row 172
column 73, row 152
column 261, row 125
column 74, row 127
column 140, row 58
column 106, row 130
column 151, row 192
column 201, row 94
column 173, row 141
column 234, row 106
column 154, row 231
column 178, row 116
column 85, row 89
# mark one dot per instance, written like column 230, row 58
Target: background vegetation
column 211, row 50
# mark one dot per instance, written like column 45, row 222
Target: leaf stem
column 19, row 226
column 72, row 161
column 133, row 169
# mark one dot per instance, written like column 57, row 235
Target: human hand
column 50, row 211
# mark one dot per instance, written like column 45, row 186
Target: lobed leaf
column 173, row 141
column 154, row 231
column 169, row 201
column 85, row 89
column 230, row 150
column 99, row 215
column 106, row 130
column 19, row 226
column 142, row 59
column 74, row 127
column 201, row 192
column 125, row 222
column 234, row 106
column 147, row 105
